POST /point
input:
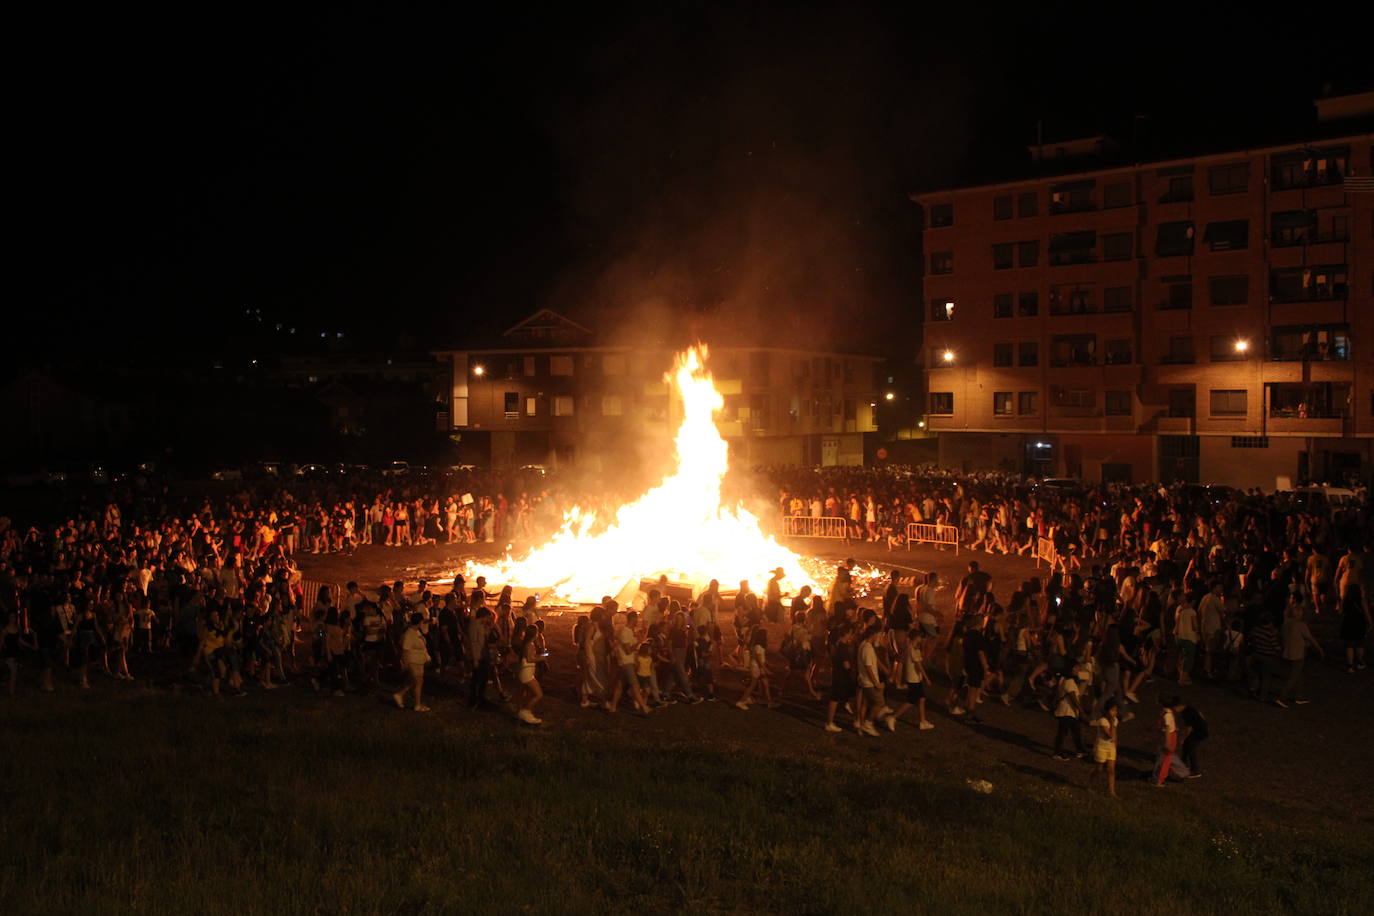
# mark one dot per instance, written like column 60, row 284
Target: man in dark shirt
column 1193, row 730
column 1264, row 657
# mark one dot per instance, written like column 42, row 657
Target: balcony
column 1297, row 239
column 1177, row 359
column 1176, row 197
column 1073, row 256
column 1070, row 362
column 1336, row 292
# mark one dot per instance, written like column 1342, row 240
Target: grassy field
column 147, row 801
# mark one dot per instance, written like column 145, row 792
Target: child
column 1104, row 747
column 644, row 672
column 758, row 668
column 707, row 639
column 1167, row 726
column 914, row 673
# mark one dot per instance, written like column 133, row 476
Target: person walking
column 414, row 657
column 1104, row 745
column 913, row 671
column 1068, row 713
column 1295, row 636
column 1194, row 730
column 1355, row 624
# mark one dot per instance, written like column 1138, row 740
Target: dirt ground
column 1314, row 759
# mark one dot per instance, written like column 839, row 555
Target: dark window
column 1228, row 235
column 512, row 400
column 942, row 403
column 1118, row 246
column 1224, row 348
column 941, row 309
column 1229, row 402
column 1072, row 397
column 1291, row 227
column 1320, row 342
column 1179, row 190
column 1026, row 403
column 1182, row 402
column 1001, row 354
column 1118, row 195
column 1073, row 247
column 1028, row 352
column 941, row 215
column 1001, row 305
column 1249, row 442
column 1028, row 254
column 1233, row 290
column 1178, row 292
column 1001, row 256
column 1116, row 299
column 1316, row 283
column 1001, row 403
column 1180, row 352
column 1071, row 300
column 1118, row 403
column 1028, row 204
column 1229, row 179
column 1174, row 239
column 1073, row 350
column 1028, row 305
column 1117, row 352
column 1001, row 207
column 1072, row 196
column 942, row 262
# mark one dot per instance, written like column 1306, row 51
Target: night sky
column 383, row 174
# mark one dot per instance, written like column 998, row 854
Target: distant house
column 552, row 390
column 47, row 417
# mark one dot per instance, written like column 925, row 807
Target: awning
column 1231, row 233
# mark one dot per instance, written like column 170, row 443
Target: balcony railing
column 1309, row 354
column 1334, row 293
column 1171, row 305
column 1073, row 256
column 1067, row 362
column 1306, row 413
column 1176, row 197
column 1294, row 240
column 1177, row 359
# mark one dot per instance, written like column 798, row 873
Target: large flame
column 679, row 529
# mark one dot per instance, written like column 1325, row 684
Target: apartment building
column 1207, row 318
column 549, row 391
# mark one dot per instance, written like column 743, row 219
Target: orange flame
column 678, row 529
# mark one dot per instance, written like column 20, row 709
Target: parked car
column 535, row 469
column 310, row 469
column 396, row 469
column 226, row 474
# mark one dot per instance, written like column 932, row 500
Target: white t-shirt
column 911, row 668
column 868, row 664
column 627, row 645
column 1068, row 698
column 1186, row 628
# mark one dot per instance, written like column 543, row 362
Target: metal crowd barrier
column 1046, row 551
column 807, row 526
column 921, row 533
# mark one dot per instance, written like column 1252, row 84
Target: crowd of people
column 1147, row 584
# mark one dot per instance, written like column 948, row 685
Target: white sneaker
column 890, row 721
column 741, row 705
column 870, row 730
column 832, row 727
column 927, row 726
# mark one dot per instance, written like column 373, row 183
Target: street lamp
column 1242, row 345
column 948, row 356
column 479, row 369
column 890, row 396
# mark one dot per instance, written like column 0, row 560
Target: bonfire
column 680, row 529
